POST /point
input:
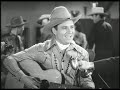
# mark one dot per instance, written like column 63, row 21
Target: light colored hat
column 59, row 15
column 16, row 21
column 44, row 16
column 97, row 10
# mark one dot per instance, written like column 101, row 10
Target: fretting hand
column 30, row 82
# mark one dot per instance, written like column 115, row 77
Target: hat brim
column 105, row 14
column 9, row 25
column 52, row 23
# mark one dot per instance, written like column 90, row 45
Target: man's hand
column 30, row 82
column 2, row 46
column 86, row 68
column 86, row 65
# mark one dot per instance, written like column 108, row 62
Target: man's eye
column 72, row 26
column 64, row 27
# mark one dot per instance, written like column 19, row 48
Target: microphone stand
column 102, row 79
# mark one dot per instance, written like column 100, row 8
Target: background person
column 42, row 21
column 12, row 42
column 101, row 34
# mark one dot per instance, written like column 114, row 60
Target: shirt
column 49, row 55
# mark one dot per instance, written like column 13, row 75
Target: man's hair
column 56, row 26
column 102, row 16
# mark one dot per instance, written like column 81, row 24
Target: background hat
column 16, row 21
column 59, row 15
column 97, row 10
column 44, row 16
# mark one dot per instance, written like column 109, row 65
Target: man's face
column 65, row 32
column 20, row 29
column 95, row 18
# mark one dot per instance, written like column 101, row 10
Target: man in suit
column 101, row 37
column 101, row 34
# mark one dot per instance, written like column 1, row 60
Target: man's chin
column 69, row 41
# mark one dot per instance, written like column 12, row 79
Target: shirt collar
column 53, row 43
column 61, row 46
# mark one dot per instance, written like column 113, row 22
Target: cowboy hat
column 16, row 21
column 59, row 15
column 97, row 10
column 42, row 17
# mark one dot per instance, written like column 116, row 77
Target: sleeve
column 11, row 62
column 21, row 43
column 2, row 46
column 86, row 55
column 109, row 37
column 84, row 40
column 3, row 42
column 85, row 82
column 91, row 38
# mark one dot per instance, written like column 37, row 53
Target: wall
column 31, row 12
column 114, row 10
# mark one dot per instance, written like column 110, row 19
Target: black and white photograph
column 60, row 45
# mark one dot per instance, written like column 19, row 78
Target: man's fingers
column 90, row 73
column 34, row 87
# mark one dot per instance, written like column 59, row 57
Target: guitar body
column 34, row 69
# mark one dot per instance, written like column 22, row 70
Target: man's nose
column 70, row 30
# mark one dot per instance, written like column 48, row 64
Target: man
column 101, row 35
column 42, row 21
column 11, row 42
column 16, row 27
column 54, row 54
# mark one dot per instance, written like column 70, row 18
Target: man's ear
column 54, row 31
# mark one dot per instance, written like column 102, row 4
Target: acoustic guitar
column 52, row 76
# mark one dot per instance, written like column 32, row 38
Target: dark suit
column 102, row 36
